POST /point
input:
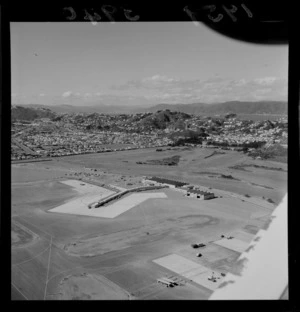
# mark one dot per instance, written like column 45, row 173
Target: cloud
column 212, row 89
column 238, row 83
column 159, row 78
column 165, row 89
column 264, row 91
column 266, row 81
column 42, row 94
column 67, row 94
column 152, row 82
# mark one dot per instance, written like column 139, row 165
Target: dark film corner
column 149, row 156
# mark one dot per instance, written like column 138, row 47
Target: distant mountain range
column 65, row 108
column 236, row 107
column 32, row 111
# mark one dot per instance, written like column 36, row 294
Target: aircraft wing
column 261, row 272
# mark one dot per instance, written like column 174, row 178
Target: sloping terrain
column 29, row 114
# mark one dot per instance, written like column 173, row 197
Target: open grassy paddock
column 58, row 256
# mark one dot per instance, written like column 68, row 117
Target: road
column 23, row 147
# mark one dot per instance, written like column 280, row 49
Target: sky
column 143, row 63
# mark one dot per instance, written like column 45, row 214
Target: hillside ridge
column 236, row 107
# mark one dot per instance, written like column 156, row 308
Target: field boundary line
column 49, row 258
column 16, row 264
column 106, row 269
column 19, row 291
column 86, row 266
column 35, row 227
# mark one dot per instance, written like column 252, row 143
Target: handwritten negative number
column 92, row 18
column 73, row 13
column 131, row 18
column 108, row 10
column 230, row 11
column 219, row 17
column 212, row 8
column 191, row 14
column 249, row 13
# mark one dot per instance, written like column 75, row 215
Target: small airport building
column 200, row 194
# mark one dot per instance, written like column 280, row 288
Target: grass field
column 71, row 255
column 192, row 160
column 21, row 236
column 90, row 287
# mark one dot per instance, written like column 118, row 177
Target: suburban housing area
column 73, row 134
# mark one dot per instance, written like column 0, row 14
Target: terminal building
column 188, row 190
column 164, row 182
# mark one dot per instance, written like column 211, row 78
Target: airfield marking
column 19, row 291
column 97, row 261
column 190, row 270
column 14, row 215
column 48, row 270
column 234, row 244
column 113, row 210
column 240, row 197
column 22, row 271
column 88, row 265
column 15, row 264
column 145, row 287
column 178, row 264
column 31, row 182
column 145, row 220
column 150, row 294
column 36, row 227
column 105, row 269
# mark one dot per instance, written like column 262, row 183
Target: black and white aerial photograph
column 148, row 160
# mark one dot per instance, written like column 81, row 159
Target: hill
column 274, row 152
column 30, row 113
column 161, row 119
column 70, row 109
column 236, row 107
